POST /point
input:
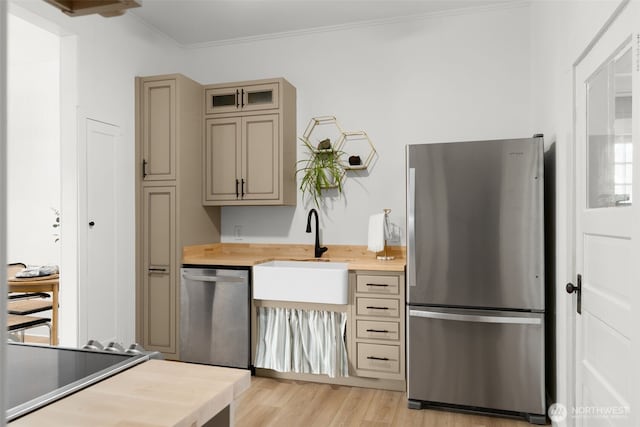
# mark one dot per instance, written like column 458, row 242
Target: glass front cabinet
column 241, row 98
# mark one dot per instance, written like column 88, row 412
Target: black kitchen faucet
column 318, row 250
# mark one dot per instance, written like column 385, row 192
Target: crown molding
column 359, row 25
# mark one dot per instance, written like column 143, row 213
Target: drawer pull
column 372, row 307
column 382, row 331
column 378, row 284
column 378, row 358
column 158, row 270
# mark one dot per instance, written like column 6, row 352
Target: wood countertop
column 154, row 393
column 250, row 254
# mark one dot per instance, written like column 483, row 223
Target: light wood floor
column 270, row 402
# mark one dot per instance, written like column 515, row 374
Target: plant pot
column 329, row 180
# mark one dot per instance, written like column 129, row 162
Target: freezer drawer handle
column 378, row 358
column 382, row 331
column 383, row 285
column 476, row 318
column 372, row 307
column 225, row 279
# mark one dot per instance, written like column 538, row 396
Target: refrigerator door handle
column 476, row 318
column 411, row 235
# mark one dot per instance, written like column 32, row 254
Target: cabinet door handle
column 158, row 270
column 377, row 358
column 237, row 98
column 144, row 168
column 373, row 307
column 242, row 97
column 242, row 189
column 381, row 331
column 237, row 193
column 378, row 284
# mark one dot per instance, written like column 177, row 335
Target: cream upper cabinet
column 158, row 130
column 249, row 150
column 243, row 157
column 249, row 97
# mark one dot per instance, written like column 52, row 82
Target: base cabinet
column 377, row 325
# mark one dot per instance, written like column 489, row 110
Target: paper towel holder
column 386, row 257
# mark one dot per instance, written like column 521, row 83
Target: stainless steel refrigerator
column 475, row 277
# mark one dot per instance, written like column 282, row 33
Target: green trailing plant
column 323, row 170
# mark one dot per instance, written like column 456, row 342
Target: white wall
column 561, row 30
column 450, row 77
column 33, row 166
column 103, row 55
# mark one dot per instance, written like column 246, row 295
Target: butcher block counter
column 153, row 393
column 250, row 254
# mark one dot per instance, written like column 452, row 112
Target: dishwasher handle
column 200, row 278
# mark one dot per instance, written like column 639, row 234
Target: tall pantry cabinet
column 169, row 211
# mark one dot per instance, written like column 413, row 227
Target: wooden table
column 153, row 394
column 51, row 285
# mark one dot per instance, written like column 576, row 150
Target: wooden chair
column 19, row 324
column 21, row 305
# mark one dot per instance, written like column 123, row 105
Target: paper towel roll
column 376, row 233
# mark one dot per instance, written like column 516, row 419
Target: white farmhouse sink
column 302, row 281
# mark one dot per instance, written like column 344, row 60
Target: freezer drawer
column 477, row 358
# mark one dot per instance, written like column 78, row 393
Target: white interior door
column 98, row 307
column 605, row 216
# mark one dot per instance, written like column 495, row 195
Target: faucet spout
column 318, row 250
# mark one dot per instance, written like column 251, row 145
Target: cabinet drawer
column 382, row 307
column 377, row 357
column 377, row 330
column 377, row 284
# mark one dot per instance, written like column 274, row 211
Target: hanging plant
column 323, row 170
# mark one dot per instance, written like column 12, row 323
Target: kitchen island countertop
column 250, row 254
column 154, row 393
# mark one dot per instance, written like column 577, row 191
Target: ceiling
column 198, row 22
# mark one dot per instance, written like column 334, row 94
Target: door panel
column 159, row 130
column 606, row 250
column 99, row 306
column 261, row 164
column 159, row 283
column 222, row 154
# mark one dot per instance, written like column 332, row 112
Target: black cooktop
column 39, row 375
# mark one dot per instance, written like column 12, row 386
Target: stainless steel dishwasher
column 214, row 316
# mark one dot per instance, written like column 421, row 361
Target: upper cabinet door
column 223, row 100
column 159, row 130
column 242, row 98
column 259, row 97
column 260, row 158
column 222, row 180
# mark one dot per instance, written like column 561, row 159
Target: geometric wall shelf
column 342, row 146
column 356, row 144
column 321, row 128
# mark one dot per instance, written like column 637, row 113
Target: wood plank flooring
column 271, row 402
